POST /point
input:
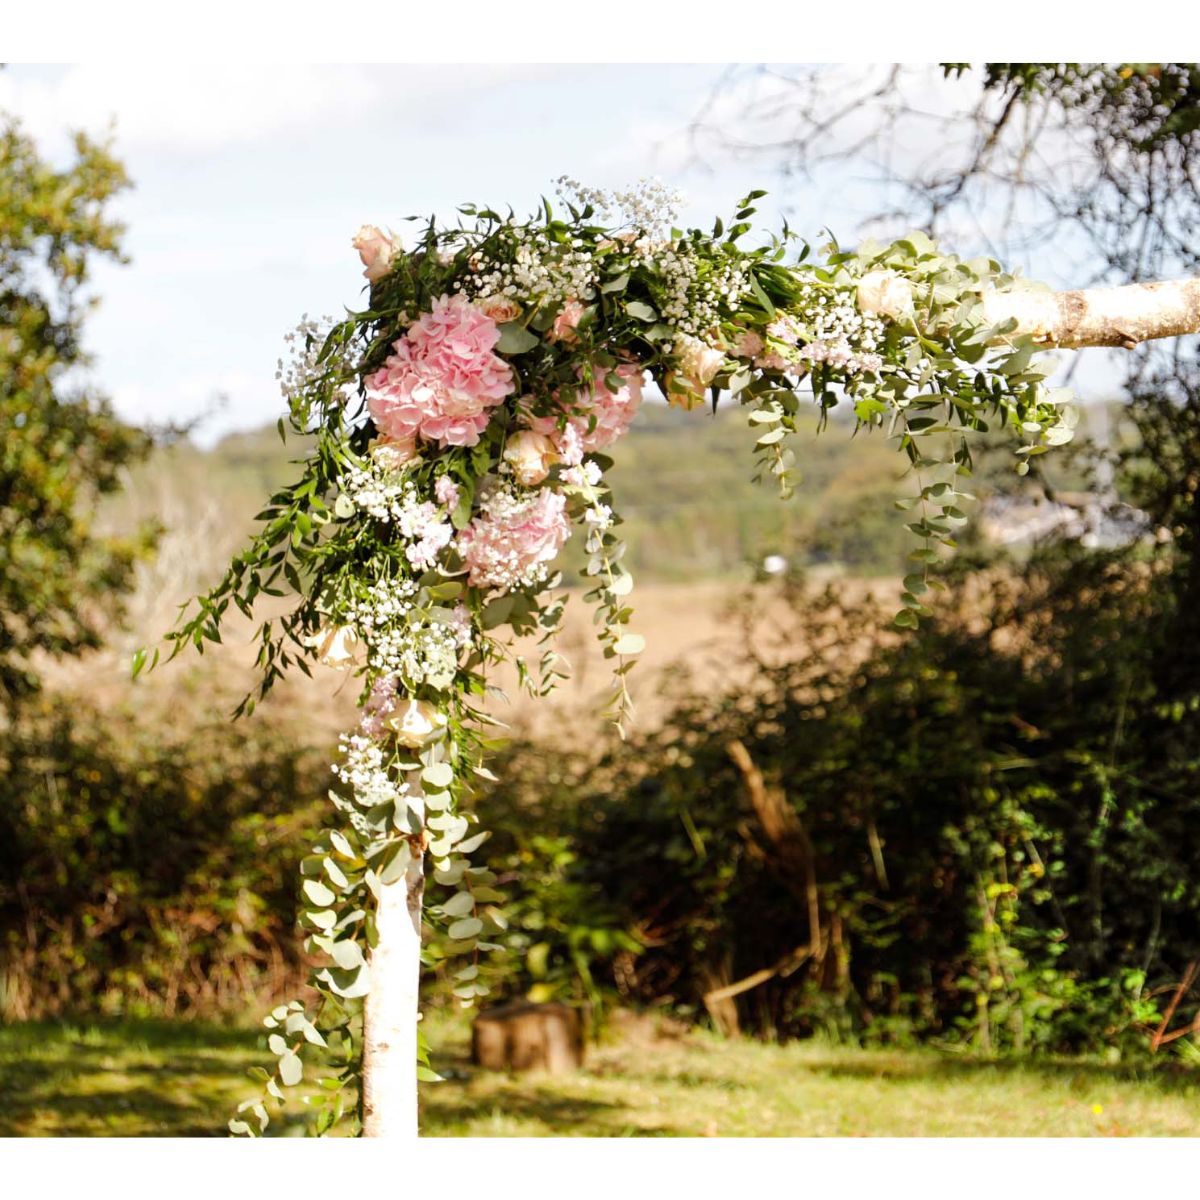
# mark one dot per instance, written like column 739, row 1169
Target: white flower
column 885, row 294
column 335, row 645
column 415, row 722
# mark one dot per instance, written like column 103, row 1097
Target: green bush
column 998, row 815
column 149, row 870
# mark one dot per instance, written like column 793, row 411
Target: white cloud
column 167, row 107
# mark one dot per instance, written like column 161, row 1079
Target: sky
column 249, row 182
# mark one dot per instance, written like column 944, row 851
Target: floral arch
column 459, row 427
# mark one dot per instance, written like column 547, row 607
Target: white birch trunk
column 1116, row 316
column 389, row 1078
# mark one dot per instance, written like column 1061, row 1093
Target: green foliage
column 146, row 870
column 1000, row 813
column 61, row 445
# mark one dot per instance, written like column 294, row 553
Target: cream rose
column 376, row 249
column 336, row 645
column 683, row 392
column 499, row 308
column 698, row 361
column 391, row 454
column 886, row 294
column 415, row 722
column 531, row 455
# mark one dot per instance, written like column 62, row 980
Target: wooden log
column 528, row 1037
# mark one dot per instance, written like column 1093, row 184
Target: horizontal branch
column 1119, row 316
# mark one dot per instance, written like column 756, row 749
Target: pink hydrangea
column 613, row 412
column 443, row 377
column 513, row 538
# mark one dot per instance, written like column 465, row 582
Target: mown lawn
column 146, row 1078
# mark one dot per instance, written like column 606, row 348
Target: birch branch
column 1118, row 316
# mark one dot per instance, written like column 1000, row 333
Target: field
column 159, row 1079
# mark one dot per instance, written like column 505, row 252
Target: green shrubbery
column 994, row 823
column 149, row 869
column 995, row 820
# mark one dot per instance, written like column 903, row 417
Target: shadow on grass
column 562, row 1116
column 71, row 1078
column 1168, row 1076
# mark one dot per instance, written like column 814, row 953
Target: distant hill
column 682, row 482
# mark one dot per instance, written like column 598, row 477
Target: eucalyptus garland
column 457, row 432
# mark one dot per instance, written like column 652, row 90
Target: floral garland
column 458, row 434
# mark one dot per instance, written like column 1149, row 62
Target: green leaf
column 515, row 338
column 438, row 775
column 318, row 893
column 641, row 311
column 629, row 644
column 468, row 927
column 459, row 905
column 347, row 954
column 291, row 1070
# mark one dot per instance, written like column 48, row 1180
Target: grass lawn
column 140, row 1078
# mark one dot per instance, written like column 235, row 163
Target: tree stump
column 528, row 1037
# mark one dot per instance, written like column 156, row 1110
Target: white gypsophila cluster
column 418, row 654
column 838, row 333
column 650, row 204
column 387, row 603
column 418, row 651
column 694, row 300
column 364, row 769
column 388, row 496
column 300, row 371
column 542, row 271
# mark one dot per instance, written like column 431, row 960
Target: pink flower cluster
column 379, row 705
column 613, row 413
column 509, row 543
column 442, row 378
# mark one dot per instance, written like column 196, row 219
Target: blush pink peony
column 513, row 538
column 442, row 379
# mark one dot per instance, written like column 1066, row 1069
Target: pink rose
column 563, row 329
column 376, row 249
